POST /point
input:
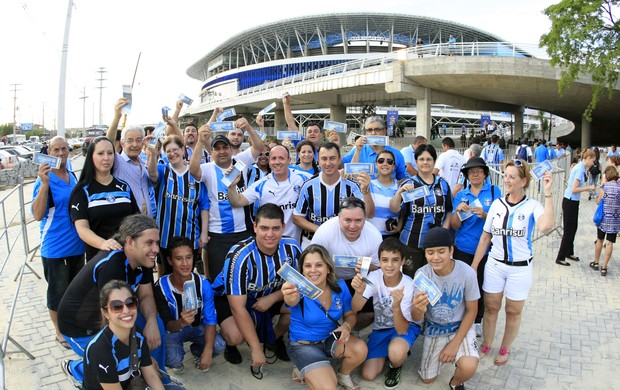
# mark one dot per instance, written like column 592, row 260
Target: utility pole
column 83, row 99
column 101, row 72
column 63, row 73
column 14, row 109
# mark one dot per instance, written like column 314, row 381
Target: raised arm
column 257, row 144
column 152, row 156
column 547, row 219
column 288, row 113
column 111, row 134
column 204, row 134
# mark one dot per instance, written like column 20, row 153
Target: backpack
column 522, row 153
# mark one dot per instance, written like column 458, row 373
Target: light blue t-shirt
column 541, row 154
column 577, row 173
column 409, row 156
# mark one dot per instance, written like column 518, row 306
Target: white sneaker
column 177, row 370
column 478, row 330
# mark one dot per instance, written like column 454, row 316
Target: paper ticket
column 293, row 135
column 157, row 133
column 237, row 169
column 127, row 95
column 463, row 215
column 539, row 170
column 186, row 100
column 380, row 140
column 417, row 193
column 353, row 168
column 265, row 110
column 40, row 158
column 345, row 261
column 303, row 285
column 423, row 283
column 339, row 127
column 222, row 126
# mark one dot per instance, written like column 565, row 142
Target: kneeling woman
column 315, row 331
column 107, row 362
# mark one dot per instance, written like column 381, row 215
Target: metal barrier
column 561, row 171
column 14, row 230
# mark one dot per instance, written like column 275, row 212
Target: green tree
column 585, row 40
column 544, row 125
column 6, row 129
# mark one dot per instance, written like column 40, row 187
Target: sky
column 171, row 36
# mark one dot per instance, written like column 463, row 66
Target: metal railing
column 14, row 244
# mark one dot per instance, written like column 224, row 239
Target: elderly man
column 350, row 235
column 79, row 313
column 127, row 164
column 375, row 125
column 281, row 187
column 62, row 250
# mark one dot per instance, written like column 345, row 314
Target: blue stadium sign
column 26, row 126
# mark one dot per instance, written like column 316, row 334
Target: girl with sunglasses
column 107, row 361
column 382, row 189
column 509, row 225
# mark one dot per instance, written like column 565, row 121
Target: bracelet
column 348, row 326
column 548, row 196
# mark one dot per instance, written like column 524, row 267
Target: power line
column 101, row 72
column 14, row 86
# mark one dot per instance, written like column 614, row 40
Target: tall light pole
column 83, row 98
column 101, row 72
column 63, row 73
column 14, row 109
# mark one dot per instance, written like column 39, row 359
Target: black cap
column 220, row 138
column 475, row 162
column 438, row 236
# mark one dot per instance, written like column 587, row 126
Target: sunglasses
column 352, row 202
column 374, row 129
column 116, row 306
column 264, row 154
column 387, row 160
column 517, row 163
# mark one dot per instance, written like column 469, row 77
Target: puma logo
column 120, row 187
column 104, row 368
column 76, row 207
column 272, row 192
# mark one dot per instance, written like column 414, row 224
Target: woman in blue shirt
column 382, row 189
column 469, row 230
column 316, row 333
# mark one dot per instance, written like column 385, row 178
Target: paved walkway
column 569, row 338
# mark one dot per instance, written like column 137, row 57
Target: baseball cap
column 438, row 236
column 220, row 138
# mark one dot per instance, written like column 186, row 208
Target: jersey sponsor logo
column 76, row 206
column 288, row 206
column 104, row 368
column 315, row 218
column 428, row 209
column 508, row 232
column 181, row 198
column 271, row 285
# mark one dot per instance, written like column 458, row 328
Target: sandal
column 297, row 377
column 594, row 265
column 603, row 271
column 502, row 357
column 484, row 350
column 63, row 343
column 257, row 372
column 346, row 382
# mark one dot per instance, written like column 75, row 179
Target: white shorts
column 514, row 282
column 431, row 366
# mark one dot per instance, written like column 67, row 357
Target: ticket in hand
column 227, row 113
column 380, row 140
column 190, row 298
column 345, row 261
column 294, row 135
column 351, row 137
column 164, row 111
column 157, row 134
column 337, row 126
column 417, row 193
column 354, row 168
column 260, row 134
column 303, row 285
column 236, row 171
column 422, row 282
column 463, row 215
column 539, row 170
column 222, row 126
column 53, row 162
column 186, row 100
column 265, row 110
column 126, row 109
column 365, row 269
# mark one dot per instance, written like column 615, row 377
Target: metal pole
column 83, row 98
column 63, row 73
column 14, row 110
column 101, row 72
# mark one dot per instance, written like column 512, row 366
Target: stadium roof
column 345, row 33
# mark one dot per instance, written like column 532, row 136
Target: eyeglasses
column 373, row 130
column 116, row 306
column 475, row 171
column 264, row 154
column 387, row 160
column 352, row 202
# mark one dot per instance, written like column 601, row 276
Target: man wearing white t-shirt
column 449, row 163
column 350, row 235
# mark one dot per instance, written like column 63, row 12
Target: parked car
column 8, row 160
column 89, row 135
column 19, row 151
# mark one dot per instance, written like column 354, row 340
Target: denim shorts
column 307, row 357
column 175, row 351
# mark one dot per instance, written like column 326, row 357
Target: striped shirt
column 319, row 202
column 223, row 218
column 381, row 196
column 137, row 176
column 492, row 154
column 511, row 228
column 180, row 199
column 248, row 271
column 170, row 301
column 424, row 213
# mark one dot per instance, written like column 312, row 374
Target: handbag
column 598, row 214
column 137, row 382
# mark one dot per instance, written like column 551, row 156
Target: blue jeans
column 196, row 334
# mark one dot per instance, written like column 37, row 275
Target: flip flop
column 63, row 343
column 502, row 357
column 594, row 266
column 484, row 350
column 297, row 377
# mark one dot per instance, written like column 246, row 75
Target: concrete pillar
column 423, row 115
column 586, row 133
column 518, row 130
column 279, row 122
column 338, row 113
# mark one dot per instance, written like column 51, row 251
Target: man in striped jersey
column 492, row 154
column 227, row 225
column 251, row 286
column 319, row 198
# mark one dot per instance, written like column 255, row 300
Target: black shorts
column 222, row 308
column 611, row 237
